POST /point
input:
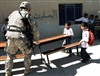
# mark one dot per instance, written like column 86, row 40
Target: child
column 4, row 27
column 97, row 27
column 68, row 31
column 83, row 19
column 84, row 42
column 91, row 21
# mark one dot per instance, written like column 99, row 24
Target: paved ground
column 61, row 64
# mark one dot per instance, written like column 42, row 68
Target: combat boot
column 27, row 71
column 8, row 74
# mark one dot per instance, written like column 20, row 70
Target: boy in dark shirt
column 91, row 21
column 97, row 27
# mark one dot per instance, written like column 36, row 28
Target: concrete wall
column 38, row 6
column 46, row 13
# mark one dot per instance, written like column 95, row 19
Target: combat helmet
column 25, row 4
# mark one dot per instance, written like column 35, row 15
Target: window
column 69, row 12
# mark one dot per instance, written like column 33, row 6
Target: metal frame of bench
column 47, row 53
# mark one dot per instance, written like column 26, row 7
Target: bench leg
column 40, row 53
column 48, row 64
column 77, row 51
column 48, row 60
column 42, row 59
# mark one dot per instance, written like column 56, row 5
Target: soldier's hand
column 36, row 42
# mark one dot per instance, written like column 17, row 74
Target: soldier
column 19, row 37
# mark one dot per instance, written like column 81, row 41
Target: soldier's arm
column 36, row 33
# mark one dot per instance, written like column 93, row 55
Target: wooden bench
column 51, row 40
column 42, row 42
column 2, row 44
column 75, row 44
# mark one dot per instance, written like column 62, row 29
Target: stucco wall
column 38, row 6
column 47, row 15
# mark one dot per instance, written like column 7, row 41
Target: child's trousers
column 85, row 56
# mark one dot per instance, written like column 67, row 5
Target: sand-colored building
column 51, row 14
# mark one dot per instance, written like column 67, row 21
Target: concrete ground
column 61, row 64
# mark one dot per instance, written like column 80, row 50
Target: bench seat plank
column 42, row 41
column 60, row 48
column 52, row 39
column 71, row 45
column 18, row 56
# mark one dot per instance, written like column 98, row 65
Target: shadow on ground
column 41, row 70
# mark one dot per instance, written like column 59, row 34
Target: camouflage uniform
column 17, row 40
